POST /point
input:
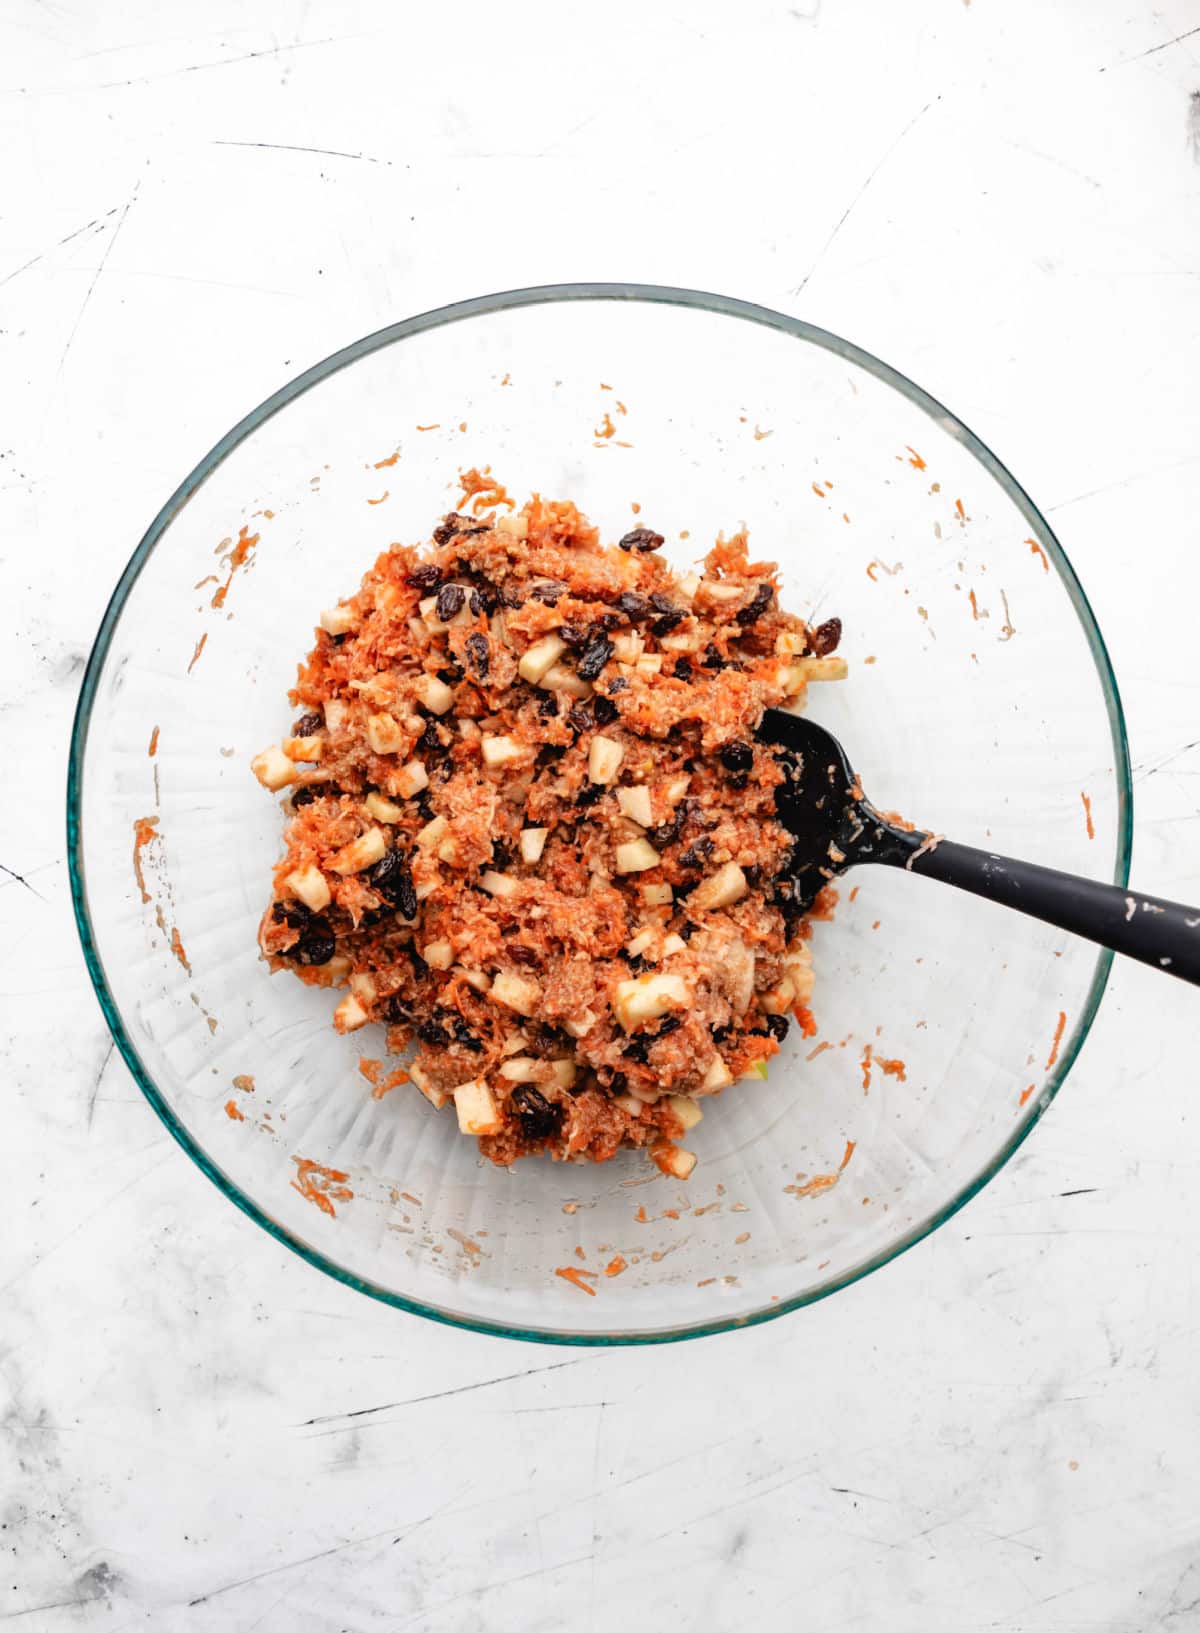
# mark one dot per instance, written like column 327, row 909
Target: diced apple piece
column 514, row 1043
column 672, row 944
column 339, row 620
column 447, row 851
column 362, row 985
column 673, row 1160
column 646, row 997
column 520, row 1069
column 650, row 663
column 478, row 979
column 721, row 889
column 676, row 789
column 657, row 895
column 790, row 643
column 780, row 999
column 718, row 593
column 477, row 1110
column 307, row 749
column 558, row 678
column 429, row 836
column 498, row 884
column 349, row 1015
column 513, row 526
column 502, row 751
column 628, row 1103
column 686, row 1109
column 385, row 734
column 604, row 759
column 434, row 694
column 563, row 1071
column 830, row 668
column 437, row 1097
column 336, row 709
column 410, row 779
column 580, row 1025
column 533, row 843
column 540, row 657
column 439, row 955
column 635, row 804
column 627, row 648
column 636, row 947
column 718, row 1076
column 688, row 585
column 514, row 992
column 273, row 768
column 636, row 855
column 361, row 853
column 383, row 810
column 334, row 971
column 683, row 640
column 310, row 886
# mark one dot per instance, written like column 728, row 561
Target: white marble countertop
column 197, row 1431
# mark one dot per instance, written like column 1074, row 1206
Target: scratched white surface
column 196, row 1430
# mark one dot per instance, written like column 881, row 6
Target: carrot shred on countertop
column 642, row 1217
column 615, row 1266
column 975, row 613
column 384, row 495
column 177, row 949
column 958, row 505
column 153, row 750
column 244, row 1082
column 917, row 463
column 1036, row 549
column 436, row 426
column 819, row 1050
column 321, row 1185
column 196, row 654
column 806, row 1021
column 866, row 1069
column 383, row 464
column 1025, row 1094
column 575, row 1275
column 233, row 1113
column 855, row 892
column 608, row 429
column 892, row 1068
column 1058, row 1033
column 1087, row 811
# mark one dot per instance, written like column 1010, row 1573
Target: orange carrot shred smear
column 320, row 1185
column 1058, row 1033
column 196, row 654
column 383, row 464
column 573, row 1274
column 233, row 1112
column 1036, row 550
column 1087, row 811
column 642, row 1216
column 385, row 494
column 615, row 1266
column 917, row 463
column 1025, row 1094
column 153, row 750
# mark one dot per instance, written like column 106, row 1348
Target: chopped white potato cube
column 533, row 843
column 636, row 855
column 563, row 1071
column 558, row 678
column 385, row 735
column 336, row 709
column 304, row 748
column 339, row 620
column 718, row 1076
column 520, row 1069
column 830, row 668
column 672, row 944
column 686, row 1109
column 362, row 852
column 363, row 986
column 635, row 804
column 383, row 810
column 657, row 895
column 646, row 997
column 437, row 1097
column 498, row 884
column 514, row 992
column 434, row 694
column 640, row 942
column 439, row 955
column 540, row 657
column 410, row 779
column 672, row 1159
column 477, row 1110
column 627, row 648
column 721, row 889
column 428, row 836
column 311, row 887
column 502, row 751
column 349, row 1015
column 604, row 759
column 273, row 768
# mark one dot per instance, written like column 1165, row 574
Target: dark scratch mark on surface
column 221, row 62
column 96, row 276
column 1153, row 51
column 108, row 1053
column 1194, row 125
column 292, row 1565
column 846, row 213
column 56, row 1604
column 1085, row 1190
column 346, row 1418
column 9, row 276
column 21, row 880
column 292, row 147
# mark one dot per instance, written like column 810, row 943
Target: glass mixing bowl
column 980, row 702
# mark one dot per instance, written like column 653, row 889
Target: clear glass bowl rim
column 721, row 305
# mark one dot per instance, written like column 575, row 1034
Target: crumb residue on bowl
column 320, row 1185
column 575, row 1276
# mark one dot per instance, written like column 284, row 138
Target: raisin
column 294, row 914
column 538, row 1118
column 634, row 606
column 641, row 540
column 777, row 1026
column 737, row 756
column 430, row 740
column 453, row 525
column 425, row 576
column 604, row 710
column 511, row 597
column 316, row 945
column 662, row 603
column 308, row 725
column 464, row 1035
column 668, row 621
column 683, row 669
column 549, row 592
column 575, row 635
column 547, row 706
column 449, row 601
column 425, row 809
column 696, row 854
column 589, row 794
column 671, row 1024
column 306, row 793
column 713, row 659
column 477, row 652
column 396, row 1009
column 618, row 685
column 759, row 605
column 596, row 655
column 391, row 878
column 520, row 953
column 483, row 601
column 616, row 1083
column 580, row 716
column 432, row 1033
column 685, row 932
column 450, row 677
column 825, row 638
column 501, row 855
column 752, row 874
column 720, row 1033
column 660, row 838
column 638, row 1049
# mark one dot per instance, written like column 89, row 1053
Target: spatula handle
column 1164, row 934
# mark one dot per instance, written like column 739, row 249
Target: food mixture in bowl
column 532, row 831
